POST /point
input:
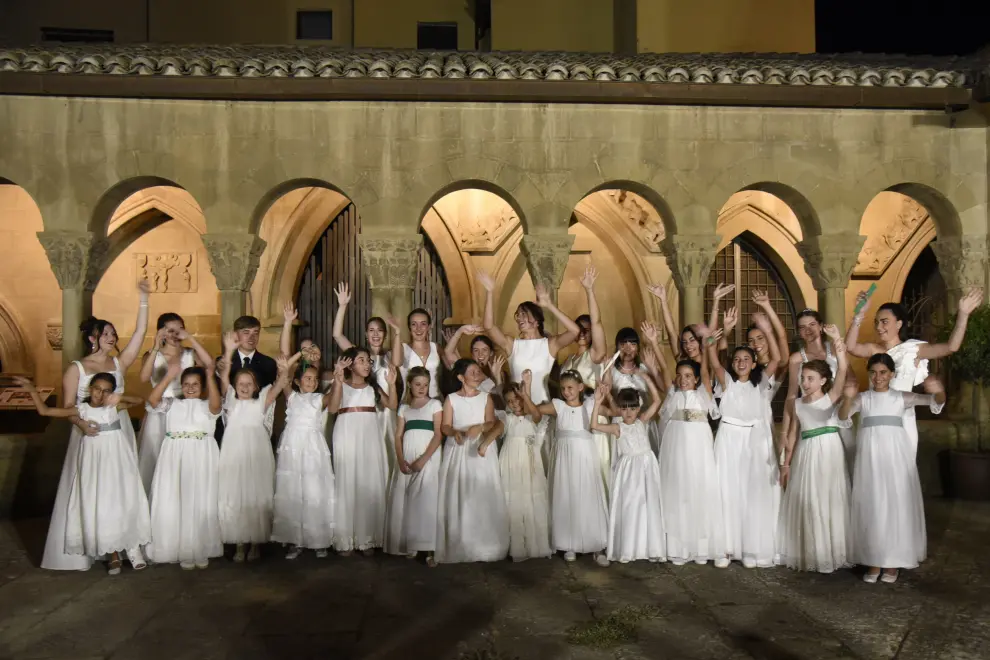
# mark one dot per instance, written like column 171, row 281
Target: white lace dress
column 590, row 371
column 185, row 523
column 108, row 509
column 888, row 512
column 635, row 522
column 524, row 483
column 303, row 513
column 472, row 522
column 637, row 381
column 153, row 426
column 411, row 520
column 247, row 469
column 814, row 532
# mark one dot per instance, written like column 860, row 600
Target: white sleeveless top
column 467, row 411
column 410, row 359
column 160, row 369
column 532, row 354
column 82, row 389
column 582, row 364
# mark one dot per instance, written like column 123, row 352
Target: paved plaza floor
column 390, row 607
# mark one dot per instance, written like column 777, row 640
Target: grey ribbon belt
column 881, row 420
column 112, row 426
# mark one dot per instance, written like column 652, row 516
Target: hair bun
column 88, row 324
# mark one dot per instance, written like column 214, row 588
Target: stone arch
column 15, row 352
column 653, row 198
column 479, row 184
column 943, row 213
column 906, row 260
column 798, row 203
column 108, row 203
column 275, row 193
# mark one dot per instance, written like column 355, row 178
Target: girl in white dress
column 578, row 507
column 524, row 480
column 635, row 522
column 814, row 533
column 303, row 507
column 888, row 512
column 167, row 350
column 689, row 487
column 247, row 465
column 744, row 453
column 185, row 522
column 108, row 509
column 360, row 461
column 633, row 368
column 100, row 341
column 411, row 520
column 482, row 352
column 472, row 523
column 910, row 355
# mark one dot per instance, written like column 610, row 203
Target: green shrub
column 972, row 361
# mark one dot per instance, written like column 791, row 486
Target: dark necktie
column 246, row 362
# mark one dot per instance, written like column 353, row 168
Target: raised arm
column 598, row 340
column 332, row 398
column 660, row 367
column 492, row 330
column 571, row 329
column 529, row 407
column 762, row 300
column 654, row 407
column 601, row 392
column 343, row 292
column 850, row 402
column 934, row 396
column 133, row 348
column 155, row 398
column 127, row 401
column 204, row 356
column 390, row 401
column 212, row 391
column 841, row 369
column 967, row 305
column 289, row 315
column 148, row 365
column 398, row 355
column 659, row 292
column 229, row 346
column 762, row 321
column 451, row 354
column 44, row 410
column 721, row 291
column 853, row 345
column 710, row 356
column 281, row 382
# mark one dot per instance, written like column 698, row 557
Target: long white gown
column 909, row 373
column 689, row 485
column 637, row 381
column 153, row 426
column 55, row 557
column 108, row 509
column 635, row 523
column 590, row 371
column 472, row 522
column 303, row 513
column 748, row 474
column 361, row 469
column 524, row 483
column 185, row 522
column 411, row 519
column 386, row 416
column 534, row 354
column 814, row 532
column 888, row 512
column 846, row 433
column 578, row 507
column 247, row 469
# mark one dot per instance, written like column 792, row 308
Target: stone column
column 234, row 260
column 690, row 258
column 76, row 258
column 962, row 261
column 829, row 261
column 391, row 265
column 546, row 258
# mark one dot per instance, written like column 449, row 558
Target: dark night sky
column 940, row 27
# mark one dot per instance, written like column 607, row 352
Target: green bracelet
column 710, row 341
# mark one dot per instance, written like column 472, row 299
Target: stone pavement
column 390, row 607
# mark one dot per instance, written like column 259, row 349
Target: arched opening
column 926, row 301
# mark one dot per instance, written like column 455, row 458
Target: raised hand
column 160, row 338
column 542, row 296
column 730, row 318
column 339, row 367
column 144, row 288
column 601, row 393
column 702, row 330
column 649, row 331
column 220, row 363
column 312, row 353
column 972, row 300
column 113, row 399
column 717, row 335
column 393, row 322
column 230, row 342
column 850, row 390
column 762, row 321
column 658, row 291
column 832, row 331
column 182, row 334
column 497, row 364
column 589, row 277
column 722, row 290
column 863, row 302
column 448, row 334
column 289, row 312
column 933, row 385
column 527, row 378
column 282, row 363
column 25, row 383
column 761, row 299
column 343, row 292
column 649, row 357
column 486, row 281
column 173, row 371
column 390, row 374
column 472, row 329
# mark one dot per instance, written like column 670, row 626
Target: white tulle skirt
column 635, row 524
column 150, row 446
column 246, row 484
column 55, row 557
column 578, row 506
column 360, row 466
column 411, row 521
column 524, row 483
column 304, row 489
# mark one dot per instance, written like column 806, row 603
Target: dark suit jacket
column 265, row 370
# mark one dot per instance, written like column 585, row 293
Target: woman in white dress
column 411, row 518
column 910, row 355
column 744, row 453
column 108, row 509
column 303, row 507
column 472, row 521
column 524, row 480
column 814, row 533
column 420, row 351
column 185, row 521
column 888, row 512
column 635, row 522
column 100, row 339
column 166, row 351
column 578, row 505
column 360, row 462
column 246, row 470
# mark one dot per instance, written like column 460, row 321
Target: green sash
column 419, row 425
column 819, row 431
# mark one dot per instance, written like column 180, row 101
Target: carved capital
column 53, row 333
column 962, row 261
column 76, row 257
column 690, row 258
column 391, row 263
column 829, row 260
column 234, row 259
column 546, row 257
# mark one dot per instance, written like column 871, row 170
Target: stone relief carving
column 53, row 333
column 881, row 247
column 639, row 216
column 485, row 233
column 234, row 259
column 546, row 257
column 829, row 260
column 391, row 262
column 167, row 272
column 68, row 255
column 690, row 258
column 962, row 261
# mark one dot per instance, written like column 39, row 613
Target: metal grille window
column 925, row 300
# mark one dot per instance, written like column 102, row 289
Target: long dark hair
column 680, row 341
column 585, row 318
column 695, row 367
column 94, row 327
column 351, row 354
column 627, row 336
column 536, row 312
column 104, row 376
column 756, row 375
column 881, row 358
column 897, row 309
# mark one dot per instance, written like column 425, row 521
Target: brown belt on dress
column 355, row 409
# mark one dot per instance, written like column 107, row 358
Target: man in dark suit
column 248, row 331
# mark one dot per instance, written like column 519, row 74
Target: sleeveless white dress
column 909, row 373
column 524, row 483
column 846, row 433
column 411, row 358
column 590, row 374
column 888, row 512
column 637, row 381
column 411, row 519
column 534, row 354
column 635, row 522
column 814, row 532
column 472, row 522
column 247, row 469
column 153, row 426
column 55, row 557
